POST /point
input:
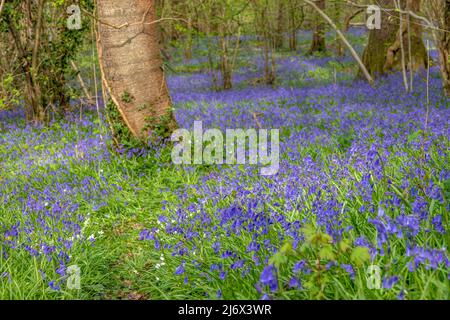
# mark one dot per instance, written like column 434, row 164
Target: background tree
column 383, row 52
column 296, row 18
column 41, row 47
column 318, row 43
column 438, row 11
column 267, row 15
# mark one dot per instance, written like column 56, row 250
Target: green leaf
column 322, row 238
column 360, row 255
column 278, row 259
column 287, row 248
column 413, row 136
column 309, row 231
column 327, row 253
column 344, row 245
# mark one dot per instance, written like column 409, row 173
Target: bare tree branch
column 1, row 6
column 344, row 39
column 427, row 23
column 127, row 24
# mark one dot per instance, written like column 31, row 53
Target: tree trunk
column 383, row 52
column 280, row 26
column 188, row 42
column 293, row 33
column 227, row 73
column 132, row 66
column 444, row 49
column 318, row 41
column 294, row 25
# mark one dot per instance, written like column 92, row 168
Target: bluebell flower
column 54, row 286
column 294, row 283
column 349, row 269
column 269, row 278
column 299, row 266
column 389, row 282
column 180, row 270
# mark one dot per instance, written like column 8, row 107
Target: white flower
column 91, row 237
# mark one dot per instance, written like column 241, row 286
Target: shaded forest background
column 45, row 65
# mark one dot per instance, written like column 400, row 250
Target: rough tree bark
column 132, row 66
column 443, row 46
column 318, row 41
column 280, row 25
column 383, row 51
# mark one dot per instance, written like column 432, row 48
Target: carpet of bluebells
column 358, row 210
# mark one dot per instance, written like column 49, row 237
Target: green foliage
column 323, row 257
column 9, row 94
column 57, row 47
column 127, row 97
column 160, row 127
column 123, row 137
column 360, row 255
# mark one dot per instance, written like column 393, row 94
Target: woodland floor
column 364, row 180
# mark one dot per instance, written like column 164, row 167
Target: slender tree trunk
column 2, row 3
column 294, row 25
column 227, row 73
column 189, row 40
column 318, row 41
column 39, row 108
column 338, row 43
column 444, row 49
column 132, row 66
column 280, row 25
column 293, row 29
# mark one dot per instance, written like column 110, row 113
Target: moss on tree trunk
column 383, row 52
